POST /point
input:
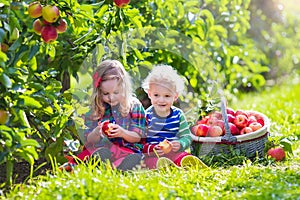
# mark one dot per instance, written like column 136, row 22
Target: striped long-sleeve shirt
column 172, row 127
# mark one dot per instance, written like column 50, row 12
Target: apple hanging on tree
column 50, row 13
column 49, row 33
column 121, row 3
column 35, row 9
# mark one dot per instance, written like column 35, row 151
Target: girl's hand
column 117, row 131
column 175, row 146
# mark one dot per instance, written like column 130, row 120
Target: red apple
column 165, row 146
column 251, row 119
column 203, row 120
column 35, row 9
column 277, row 153
column 241, row 112
column 230, row 118
column 246, row 130
column 194, row 129
column 4, row 47
column 240, row 121
column 202, row 130
column 255, row 126
column 106, row 127
column 230, row 111
column 49, row 33
column 261, row 121
column 50, row 13
column 216, row 114
column 215, row 131
column 4, row 116
column 37, row 26
column 62, row 27
column 233, row 129
column 212, row 120
column 121, row 3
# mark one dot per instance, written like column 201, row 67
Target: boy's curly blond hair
column 165, row 75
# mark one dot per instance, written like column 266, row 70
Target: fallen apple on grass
column 277, row 153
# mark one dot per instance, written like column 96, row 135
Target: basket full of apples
column 226, row 130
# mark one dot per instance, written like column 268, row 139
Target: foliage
column 206, row 41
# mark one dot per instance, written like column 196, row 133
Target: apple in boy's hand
column 165, row 146
column 277, row 153
column 107, row 127
column 215, row 131
column 240, row 121
column 255, row 126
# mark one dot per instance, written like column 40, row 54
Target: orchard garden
column 244, row 51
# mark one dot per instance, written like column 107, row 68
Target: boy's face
column 162, row 98
column 111, row 92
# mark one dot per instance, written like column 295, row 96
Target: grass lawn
column 250, row 180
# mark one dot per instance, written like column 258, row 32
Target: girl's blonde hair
column 165, row 75
column 108, row 70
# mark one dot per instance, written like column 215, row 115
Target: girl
column 113, row 101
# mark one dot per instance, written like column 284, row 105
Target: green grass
column 250, row 180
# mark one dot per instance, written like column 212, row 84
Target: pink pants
column 118, row 154
column 176, row 157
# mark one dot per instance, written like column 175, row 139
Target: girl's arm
column 95, row 135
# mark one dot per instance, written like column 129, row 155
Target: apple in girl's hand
column 215, row 131
column 233, row 129
column 246, row 130
column 255, row 126
column 240, row 121
column 165, row 146
column 277, row 153
column 107, row 127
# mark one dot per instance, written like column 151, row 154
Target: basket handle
column 228, row 137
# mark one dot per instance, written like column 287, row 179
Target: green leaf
column 31, row 102
column 5, row 80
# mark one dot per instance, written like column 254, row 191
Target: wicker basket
column 250, row 144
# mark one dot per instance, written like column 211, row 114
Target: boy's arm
column 184, row 133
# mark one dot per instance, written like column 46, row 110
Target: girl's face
column 111, row 92
column 162, row 98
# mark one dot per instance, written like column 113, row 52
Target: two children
column 113, row 101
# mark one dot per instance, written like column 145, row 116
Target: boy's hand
column 175, row 146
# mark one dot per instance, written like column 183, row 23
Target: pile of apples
column 48, row 22
column 240, row 122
